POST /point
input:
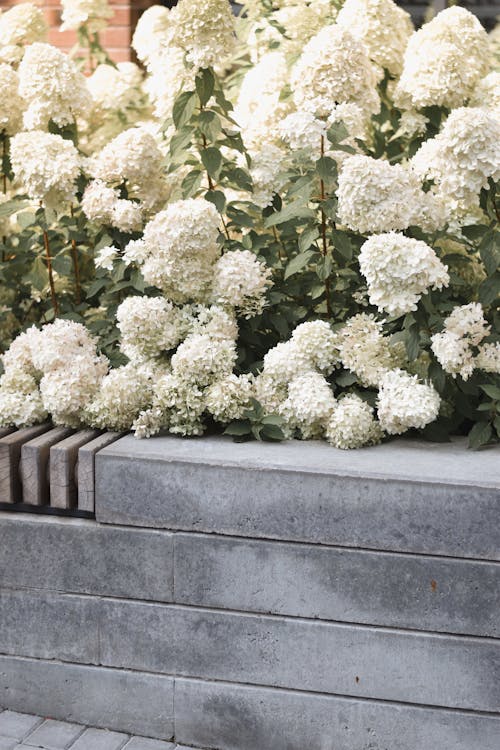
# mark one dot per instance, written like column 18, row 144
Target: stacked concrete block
column 265, row 597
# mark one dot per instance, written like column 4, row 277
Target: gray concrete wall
column 265, row 598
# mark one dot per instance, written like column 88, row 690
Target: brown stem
column 4, row 154
column 324, row 245
column 280, row 244
column 76, row 268
column 48, row 258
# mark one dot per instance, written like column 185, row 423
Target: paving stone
column 54, row 735
column 143, row 743
column 100, row 739
column 16, row 725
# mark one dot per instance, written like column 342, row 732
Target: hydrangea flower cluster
column 459, row 349
column 20, row 26
column 94, row 14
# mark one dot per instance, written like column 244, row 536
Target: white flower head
column 405, row 403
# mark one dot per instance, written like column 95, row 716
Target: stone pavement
column 25, row 732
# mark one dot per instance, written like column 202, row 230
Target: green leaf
column 239, row 217
column 38, row 276
column 271, row 432
column 239, row 178
column 438, row 376
column 473, row 232
column 238, row 428
column 209, row 123
column 337, row 133
column 412, row 342
column 179, row 143
column 492, row 391
column 346, row 378
column 212, row 161
column 205, row 84
column 342, row 243
column 191, row 183
column 183, row 108
column 10, row 207
column 294, row 210
column 480, row 434
column 490, row 289
column 489, row 250
column 307, row 237
column 218, row 198
column 496, row 423
column 326, row 167
column 298, row 263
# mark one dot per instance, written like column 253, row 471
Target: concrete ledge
column 108, row 698
column 214, row 714
column 403, row 496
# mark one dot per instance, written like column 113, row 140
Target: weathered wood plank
column 11, row 490
column 34, row 465
column 85, row 471
column 6, row 431
column 62, row 464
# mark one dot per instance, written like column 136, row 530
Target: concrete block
column 441, row 670
column 11, row 490
column 79, row 556
column 332, row 583
column 226, row 717
column 143, row 743
column 85, row 469
column 35, row 465
column 49, row 626
column 402, row 496
column 125, row 701
column 8, row 744
column 16, row 725
column 54, row 735
column 100, row 739
column 62, row 464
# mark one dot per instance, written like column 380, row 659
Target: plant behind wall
column 282, row 225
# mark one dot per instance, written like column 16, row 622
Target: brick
column 115, row 36
column 49, row 626
column 214, row 714
column 100, row 739
column 403, row 496
column 332, row 583
column 80, row 557
column 17, row 725
column 449, row 671
column 132, row 702
column 54, row 735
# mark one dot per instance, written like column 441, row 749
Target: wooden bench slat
column 34, row 465
column 62, row 465
column 11, row 490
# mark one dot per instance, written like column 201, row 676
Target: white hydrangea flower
column 205, row 31
column 461, row 158
column 334, row 68
column 353, row 425
column 20, row 400
column 302, row 131
column 151, row 33
column 259, row 109
column 286, row 361
column 116, row 89
column 266, row 165
column 309, row 405
column 399, row 270
column 375, row 196
column 18, row 356
column 218, row 322
column 46, row 166
column 412, row 123
column 168, row 77
column 319, row 343
column 178, row 406
column 454, row 348
column 98, row 202
column 59, row 343
column 404, row 403
column 365, row 351
column 126, row 216
column 488, row 357
column 53, row 87
column 382, row 26
column 179, row 249
column 105, row 257
column 433, row 68
column 67, row 390
column 241, row 280
column 123, row 394
column 11, row 114
column 202, row 360
column 149, row 326
column 94, row 14
column 227, row 399
column 22, row 24
column 487, row 92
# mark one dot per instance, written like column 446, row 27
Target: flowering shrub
column 284, row 224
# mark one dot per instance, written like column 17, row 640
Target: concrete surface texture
column 264, row 597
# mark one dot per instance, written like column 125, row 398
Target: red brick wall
column 115, row 38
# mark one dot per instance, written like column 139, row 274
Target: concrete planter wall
column 265, row 597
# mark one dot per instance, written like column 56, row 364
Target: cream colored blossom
column 11, row 114
column 308, row 406
column 227, row 399
column 123, row 394
column 149, row 326
column 365, row 351
column 241, row 280
column 94, row 14
column 353, row 425
column 204, row 31
column 404, row 403
column 456, row 346
column 399, row 270
column 21, row 25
